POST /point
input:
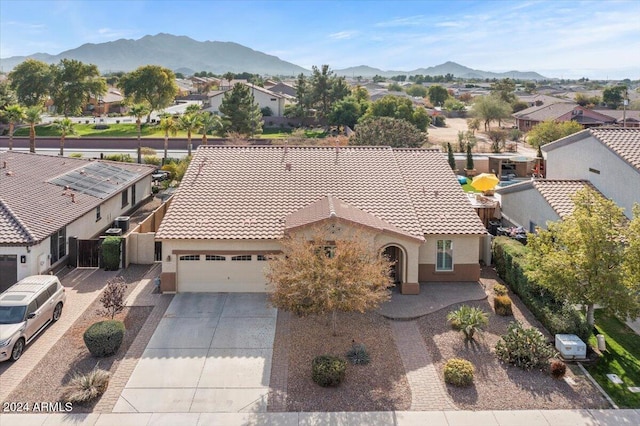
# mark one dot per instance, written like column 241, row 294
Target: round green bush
column 328, row 370
column 500, row 290
column 104, row 338
column 502, row 305
column 458, row 372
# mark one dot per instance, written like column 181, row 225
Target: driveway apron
column 210, row 353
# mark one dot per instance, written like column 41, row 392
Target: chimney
column 287, row 167
column 73, row 198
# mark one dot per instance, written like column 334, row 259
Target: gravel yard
column 379, row 386
column 45, row 382
column 498, row 386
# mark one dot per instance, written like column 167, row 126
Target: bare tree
column 112, row 298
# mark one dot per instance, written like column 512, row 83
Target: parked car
column 160, row 175
column 26, row 308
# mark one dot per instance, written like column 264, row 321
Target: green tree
column 613, row 96
column 192, row 109
column 345, row 112
column 326, row 89
column 587, row 101
column 139, row 111
column 504, row 89
column 498, row 138
column 209, row 123
column 490, row 108
column 631, row 265
column 387, row 131
column 169, row 127
column 190, row 123
column 452, row 104
column 7, row 97
column 394, row 87
column 580, row 259
column 417, row 90
column 400, row 108
column 549, row 131
column 73, row 83
column 32, row 117
column 438, row 95
column 65, row 127
column 310, row 278
column 473, row 124
column 450, row 158
column 150, row 84
column 241, row 113
column 14, row 114
column 31, row 81
column 303, row 96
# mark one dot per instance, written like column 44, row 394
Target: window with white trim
column 244, row 258
column 215, row 257
column 190, row 257
column 444, row 255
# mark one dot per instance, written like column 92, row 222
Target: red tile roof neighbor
column 234, row 192
column 557, row 193
column 32, row 207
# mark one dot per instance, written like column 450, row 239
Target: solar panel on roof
column 97, row 179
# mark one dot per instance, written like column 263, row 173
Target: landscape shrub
column 439, row 121
column 86, row 387
column 328, row 370
column 75, row 155
column 524, row 347
column 458, row 372
column 111, row 253
column 152, row 159
column 557, row 316
column 358, row 354
column 112, row 298
column 122, row 158
column 500, row 290
column 558, row 368
column 502, row 306
column 104, row 338
column 468, row 320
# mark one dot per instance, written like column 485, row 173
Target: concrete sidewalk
column 400, row 418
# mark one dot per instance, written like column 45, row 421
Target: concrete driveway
column 210, row 353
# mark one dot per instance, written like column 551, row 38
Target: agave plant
column 468, row 320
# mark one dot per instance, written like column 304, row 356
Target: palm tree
column 139, row 111
column 65, row 127
column 14, row 115
column 32, row 116
column 168, row 125
column 192, row 109
column 209, row 122
column 189, row 123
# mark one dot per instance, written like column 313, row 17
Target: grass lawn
column 114, row 130
column 273, row 133
column 622, row 357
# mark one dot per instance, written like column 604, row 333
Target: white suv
column 25, row 310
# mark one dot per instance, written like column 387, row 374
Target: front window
column 125, row 198
column 12, row 314
column 58, row 245
column 98, row 215
column 444, row 257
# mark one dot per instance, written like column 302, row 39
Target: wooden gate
column 89, row 253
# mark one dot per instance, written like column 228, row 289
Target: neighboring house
column 263, row 97
column 533, row 203
column 538, row 100
column 609, row 158
column 45, row 199
column 561, row 111
column 110, row 102
column 236, row 202
column 283, row 89
column 628, row 118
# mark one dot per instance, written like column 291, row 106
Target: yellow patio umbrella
column 485, row 181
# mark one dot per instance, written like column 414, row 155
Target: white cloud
column 409, row 21
column 343, row 35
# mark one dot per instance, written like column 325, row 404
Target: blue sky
column 571, row 39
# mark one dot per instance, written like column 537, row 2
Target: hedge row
column 509, row 257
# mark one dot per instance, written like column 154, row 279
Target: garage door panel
column 202, row 275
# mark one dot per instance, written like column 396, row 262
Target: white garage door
column 218, row 273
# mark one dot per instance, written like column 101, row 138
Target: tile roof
column 623, row 141
column 31, row 207
column 545, row 111
column 557, row 193
column 235, row 192
column 331, row 207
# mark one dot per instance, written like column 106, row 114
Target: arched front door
column 394, row 254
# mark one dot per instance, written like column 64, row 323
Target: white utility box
column 571, row 346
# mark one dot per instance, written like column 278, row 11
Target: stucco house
column 236, row 202
column 533, row 203
column 45, row 200
column 609, row 158
column 263, row 97
column 560, row 112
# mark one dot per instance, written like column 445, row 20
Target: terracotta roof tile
column 232, row 192
column 623, row 141
column 31, row 208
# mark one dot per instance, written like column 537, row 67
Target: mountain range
column 185, row 55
